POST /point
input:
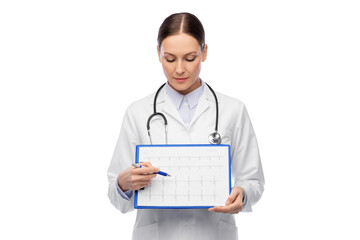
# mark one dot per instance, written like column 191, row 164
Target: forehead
column 180, row 44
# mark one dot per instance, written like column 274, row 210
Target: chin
column 179, row 86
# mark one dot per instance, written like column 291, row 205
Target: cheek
column 167, row 69
column 194, row 67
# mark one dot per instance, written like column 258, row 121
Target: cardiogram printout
column 200, row 176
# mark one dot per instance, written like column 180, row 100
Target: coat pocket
column 149, row 232
column 227, row 231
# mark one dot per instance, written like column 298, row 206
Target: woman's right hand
column 136, row 178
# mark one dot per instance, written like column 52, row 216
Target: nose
column 180, row 68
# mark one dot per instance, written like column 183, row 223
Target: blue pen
column 160, row 172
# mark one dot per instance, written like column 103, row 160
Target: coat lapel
column 165, row 105
column 170, row 109
column 203, row 105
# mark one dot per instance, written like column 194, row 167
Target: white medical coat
column 234, row 127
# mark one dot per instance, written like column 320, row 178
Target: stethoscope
column 214, row 138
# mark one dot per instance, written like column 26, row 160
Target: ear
column 158, row 51
column 204, row 53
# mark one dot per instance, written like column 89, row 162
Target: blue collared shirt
column 185, row 104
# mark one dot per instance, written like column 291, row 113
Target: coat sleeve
column 123, row 157
column 246, row 164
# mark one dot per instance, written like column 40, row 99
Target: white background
column 69, row 69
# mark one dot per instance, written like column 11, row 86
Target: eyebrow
column 184, row 55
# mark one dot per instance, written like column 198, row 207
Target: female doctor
column 190, row 108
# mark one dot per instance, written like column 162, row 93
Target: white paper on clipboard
column 200, row 176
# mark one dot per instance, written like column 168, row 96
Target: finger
column 234, row 207
column 237, row 204
column 146, row 164
column 142, row 178
column 225, row 209
column 222, row 209
column 145, row 170
column 143, row 183
column 233, row 195
column 139, row 187
column 147, row 177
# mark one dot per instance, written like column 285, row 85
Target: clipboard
column 200, row 176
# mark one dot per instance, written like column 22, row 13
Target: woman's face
column 181, row 57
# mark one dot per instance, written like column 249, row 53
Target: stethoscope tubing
column 217, row 108
column 214, row 138
column 155, row 98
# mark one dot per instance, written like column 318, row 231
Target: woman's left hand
column 234, row 202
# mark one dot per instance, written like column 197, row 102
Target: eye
column 170, row 60
column 190, row 60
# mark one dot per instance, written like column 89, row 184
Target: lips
column 180, row 79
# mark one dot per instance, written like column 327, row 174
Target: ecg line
column 175, row 181
column 190, row 167
column 189, row 185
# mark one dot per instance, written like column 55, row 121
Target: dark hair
column 182, row 23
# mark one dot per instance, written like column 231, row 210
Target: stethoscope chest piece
column 215, row 138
